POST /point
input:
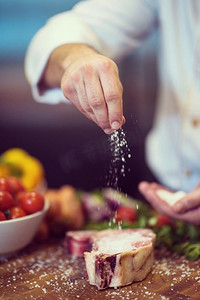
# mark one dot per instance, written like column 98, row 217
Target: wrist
column 72, row 52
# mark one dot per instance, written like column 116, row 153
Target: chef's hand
column 90, row 81
column 190, row 201
column 186, row 209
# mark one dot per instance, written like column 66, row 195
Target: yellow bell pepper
column 17, row 162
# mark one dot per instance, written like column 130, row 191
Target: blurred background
column 71, row 148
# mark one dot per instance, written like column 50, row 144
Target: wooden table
column 45, row 272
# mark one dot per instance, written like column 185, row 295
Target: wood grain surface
column 44, row 271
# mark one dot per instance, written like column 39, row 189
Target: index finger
column 112, row 89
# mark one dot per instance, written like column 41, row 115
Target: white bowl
column 17, row 233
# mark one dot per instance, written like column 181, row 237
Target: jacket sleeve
column 114, row 28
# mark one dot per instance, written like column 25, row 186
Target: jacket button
column 188, row 172
column 195, row 122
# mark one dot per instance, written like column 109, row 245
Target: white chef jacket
column 116, row 28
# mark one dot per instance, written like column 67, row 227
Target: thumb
column 190, row 201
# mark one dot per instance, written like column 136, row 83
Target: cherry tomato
column 18, row 198
column 6, row 200
column 162, row 220
column 125, row 213
column 17, row 212
column 6, row 186
column 31, row 202
column 2, row 216
column 16, row 184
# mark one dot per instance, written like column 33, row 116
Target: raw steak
column 78, row 242
column 116, row 257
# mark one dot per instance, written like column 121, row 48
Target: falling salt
column 119, row 152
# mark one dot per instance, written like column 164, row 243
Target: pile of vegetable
column 101, row 209
column 110, row 208
column 15, row 201
column 73, row 210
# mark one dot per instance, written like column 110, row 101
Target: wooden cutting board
column 45, row 272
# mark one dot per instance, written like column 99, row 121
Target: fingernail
column 108, row 131
column 115, row 125
column 143, row 186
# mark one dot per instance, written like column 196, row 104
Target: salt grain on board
column 66, row 281
column 47, row 264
